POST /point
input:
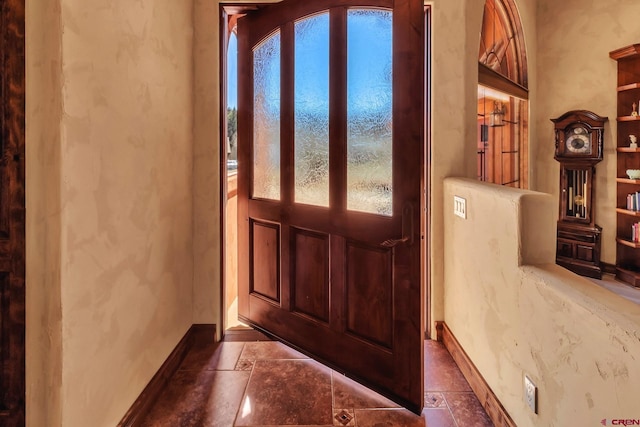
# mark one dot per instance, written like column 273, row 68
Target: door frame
column 12, row 299
column 227, row 8
column 425, row 216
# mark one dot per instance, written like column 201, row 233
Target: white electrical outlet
column 460, row 206
column 531, row 394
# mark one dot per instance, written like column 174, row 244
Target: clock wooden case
column 579, row 142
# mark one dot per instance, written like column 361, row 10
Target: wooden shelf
column 635, row 245
column 629, row 276
column 628, row 181
column 625, row 52
column 629, row 87
column 624, row 211
column 628, row 118
column 627, row 252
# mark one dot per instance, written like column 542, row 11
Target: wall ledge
column 600, row 302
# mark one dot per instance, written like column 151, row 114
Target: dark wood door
column 12, row 216
column 330, row 126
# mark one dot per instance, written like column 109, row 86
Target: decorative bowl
column 633, row 173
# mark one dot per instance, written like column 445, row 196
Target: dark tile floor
column 248, row 380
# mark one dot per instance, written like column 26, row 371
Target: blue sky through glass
column 232, row 72
column 368, row 61
column 363, row 49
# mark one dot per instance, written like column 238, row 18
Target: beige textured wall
column 126, row 199
column 574, row 44
column 577, row 342
column 451, row 121
column 43, row 298
column 206, row 164
column 124, row 169
column 456, row 42
column 109, row 202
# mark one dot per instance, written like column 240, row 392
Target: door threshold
column 244, row 333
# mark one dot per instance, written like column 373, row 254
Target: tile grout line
column 446, row 402
column 244, row 393
column 333, row 400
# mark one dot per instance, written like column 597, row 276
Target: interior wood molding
column 488, row 77
column 481, row 389
column 439, row 327
column 623, row 52
column 608, row 268
column 196, row 334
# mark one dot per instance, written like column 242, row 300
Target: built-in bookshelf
column 628, row 157
column 633, row 202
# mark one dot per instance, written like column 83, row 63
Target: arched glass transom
column 503, row 107
column 501, row 42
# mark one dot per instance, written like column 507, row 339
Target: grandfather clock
column 579, row 146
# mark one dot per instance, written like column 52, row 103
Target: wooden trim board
column 136, row 414
column 488, row 77
column 608, row 268
column 481, row 389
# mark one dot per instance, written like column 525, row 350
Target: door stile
column 287, row 123
column 338, row 112
column 337, row 164
column 245, row 159
column 337, row 281
column 408, row 44
column 285, row 268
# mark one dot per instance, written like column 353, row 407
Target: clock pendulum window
column 579, row 140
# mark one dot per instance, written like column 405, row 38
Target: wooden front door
column 331, row 148
column 12, row 215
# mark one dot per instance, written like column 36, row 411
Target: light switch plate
column 460, row 207
column 530, row 394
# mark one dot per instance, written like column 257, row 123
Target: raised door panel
column 369, row 304
column 5, row 206
column 4, row 340
column 4, row 203
column 265, row 260
column 310, row 252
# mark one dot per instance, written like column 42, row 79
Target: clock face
column 578, row 141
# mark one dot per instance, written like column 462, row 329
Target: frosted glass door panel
column 312, row 110
column 369, row 111
column 266, row 120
